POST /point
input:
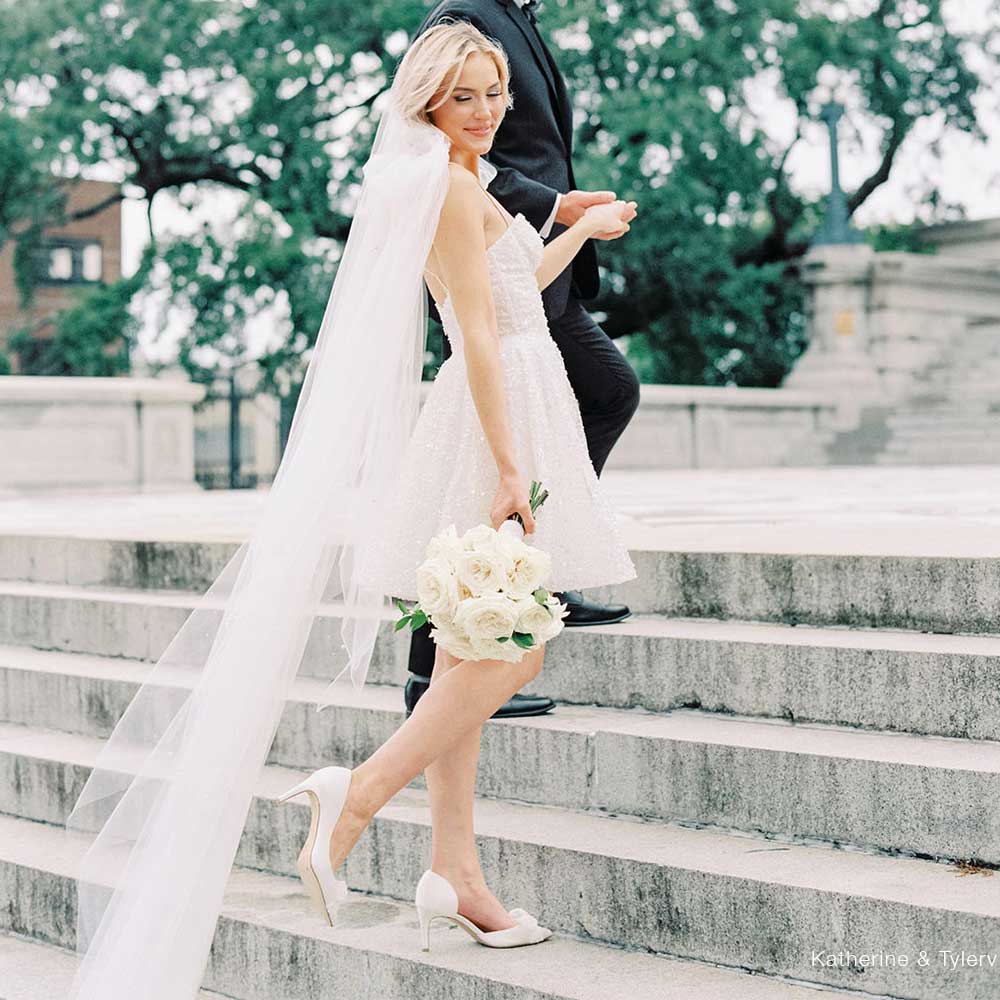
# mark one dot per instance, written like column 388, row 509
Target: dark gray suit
column 531, row 151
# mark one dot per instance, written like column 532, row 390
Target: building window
column 70, row 262
column 92, row 262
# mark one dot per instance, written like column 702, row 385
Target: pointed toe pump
column 436, row 897
column 327, row 790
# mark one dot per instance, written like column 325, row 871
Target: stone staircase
column 950, row 416
column 778, row 762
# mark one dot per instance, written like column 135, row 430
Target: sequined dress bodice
column 513, row 258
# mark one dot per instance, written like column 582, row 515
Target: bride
column 500, row 413
column 348, row 516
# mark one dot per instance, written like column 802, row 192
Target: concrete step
column 269, row 943
column 781, row 910
column 948, row 431
column 31, row 970
column 945, row 437
column 954, row 594
column 874, row 678
column 959, row 390
column 938, row 453
column 980, row 370
column 925, row 796
column 968, row 450
column 946, row 425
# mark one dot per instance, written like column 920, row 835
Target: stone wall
column 96, row 433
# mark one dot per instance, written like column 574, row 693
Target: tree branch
column 897, row 134
column 774, row 245
column 95, row 209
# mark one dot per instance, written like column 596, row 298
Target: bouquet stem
column 536, row 497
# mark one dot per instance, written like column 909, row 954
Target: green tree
column 666, row 115
column 273, row 100
column 93, row 337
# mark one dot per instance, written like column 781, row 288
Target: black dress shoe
column 517, row 704
column 584, row 612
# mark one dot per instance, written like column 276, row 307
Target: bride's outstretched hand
column 611, row 219
column 512, row 497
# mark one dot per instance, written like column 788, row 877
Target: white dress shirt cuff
column 547, row 228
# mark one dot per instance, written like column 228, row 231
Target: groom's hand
column 573, row 204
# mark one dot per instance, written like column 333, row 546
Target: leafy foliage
column 93, row 337
column 673, row 117
column 272, row 100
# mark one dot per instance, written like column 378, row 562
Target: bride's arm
column 559, row 253
column 460, row 243
column 606, row 218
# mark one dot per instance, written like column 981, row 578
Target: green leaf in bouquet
column 537, row 495
column 402, row 623
column 402, row 607
column 524, row 639
column 541, row 595
column 418, row 620
column 503, row 638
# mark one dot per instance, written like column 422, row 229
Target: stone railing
column 687, row 426
column 684, row 426
column 96, row 433
column 139, row 433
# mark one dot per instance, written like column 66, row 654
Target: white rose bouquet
column 482, row 591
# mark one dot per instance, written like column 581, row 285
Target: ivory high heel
column 436, row 897
column 327, row 790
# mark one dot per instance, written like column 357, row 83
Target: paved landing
column 926, row 511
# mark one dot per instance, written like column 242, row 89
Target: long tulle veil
column 171, row 789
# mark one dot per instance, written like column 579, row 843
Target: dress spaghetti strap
column 507, row 222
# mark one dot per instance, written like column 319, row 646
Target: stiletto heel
column 436, row 897
column 292, row 792
column 327, row 789
column 425, row 928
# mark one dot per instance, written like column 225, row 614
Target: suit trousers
column 608, row 392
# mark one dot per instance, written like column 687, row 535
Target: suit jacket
column 532, row 148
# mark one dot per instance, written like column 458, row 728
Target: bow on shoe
column 524, row 918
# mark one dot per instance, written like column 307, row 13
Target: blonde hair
column 438, row 52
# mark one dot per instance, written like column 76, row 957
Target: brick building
column 81, row 253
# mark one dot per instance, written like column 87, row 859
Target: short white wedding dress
column 449, row 475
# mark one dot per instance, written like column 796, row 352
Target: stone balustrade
column 96, row 433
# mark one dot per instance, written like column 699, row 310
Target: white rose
column 481, row 538
column 489, row 649
column 529, row 568
column 437, row 586
column 490, row 616
column 454, row 643
column 483, row 572
column 548, row 634
column 533, row 617
column 508, row 651
column 559, row 611
column 445, row 544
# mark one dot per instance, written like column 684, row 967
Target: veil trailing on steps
column 171, row 789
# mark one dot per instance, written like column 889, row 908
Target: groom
column 531, row 151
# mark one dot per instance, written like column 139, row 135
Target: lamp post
column 837, row 272
column 836, row 227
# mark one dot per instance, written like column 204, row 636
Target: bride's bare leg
column 455, row 704
column 451, row 786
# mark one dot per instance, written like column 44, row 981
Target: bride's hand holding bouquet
column 482, row 591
